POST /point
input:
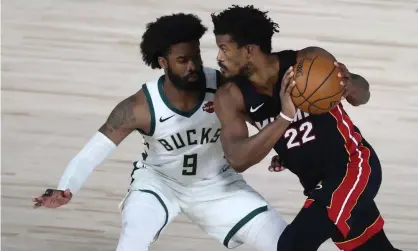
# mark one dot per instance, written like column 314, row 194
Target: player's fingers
column 278, row 169
column 344, row 82
column 290, row 87
column 37, row 205
column 67, row 193
column 339, row 64
column 43, row 201
column 344, row 75
column 39, row 199
column 288, row 71
column 287, row 76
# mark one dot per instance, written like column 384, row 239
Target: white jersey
column 183, row 146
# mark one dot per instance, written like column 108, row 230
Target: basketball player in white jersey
column 183, row 169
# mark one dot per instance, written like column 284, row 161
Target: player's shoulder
column 229, row 95
column 143, row 111
column 137, row 101
column 228, row 89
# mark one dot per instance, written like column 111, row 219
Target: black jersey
column 313, row 146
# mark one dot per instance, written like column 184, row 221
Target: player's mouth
column 193, row 77
column 222, row 67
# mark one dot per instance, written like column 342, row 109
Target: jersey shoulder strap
column 213, row 79
column 149, row 92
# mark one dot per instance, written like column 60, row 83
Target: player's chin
column 193, row 86
column 224, row 72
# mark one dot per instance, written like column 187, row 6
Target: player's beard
column 244, row 73
column 183, row 83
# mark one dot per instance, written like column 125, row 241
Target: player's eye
column 181, row 60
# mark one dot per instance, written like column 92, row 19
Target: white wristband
column 93, row 154
column 285, row 117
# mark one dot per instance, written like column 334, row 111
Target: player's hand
column 288, row 82
column 346, row 80
column 53, row 198
column 276, row 164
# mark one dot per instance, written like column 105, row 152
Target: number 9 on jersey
column 190, row 164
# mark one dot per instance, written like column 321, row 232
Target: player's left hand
column 276, row 164
column 346, row 80
column 53, row 198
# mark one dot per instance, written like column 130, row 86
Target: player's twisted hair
column 167, row 31
column 246, row 25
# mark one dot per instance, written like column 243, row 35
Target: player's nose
column 219, row 57
column 191, row 66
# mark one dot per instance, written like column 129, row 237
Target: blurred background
column 67, row 63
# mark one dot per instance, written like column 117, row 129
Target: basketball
column 318, row 87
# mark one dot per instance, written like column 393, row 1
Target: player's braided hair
column 246, row 25
column 167, row 31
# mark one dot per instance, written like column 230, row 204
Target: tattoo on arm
column 121, row 117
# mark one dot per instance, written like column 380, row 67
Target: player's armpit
column 128, row 115
column 240, row 150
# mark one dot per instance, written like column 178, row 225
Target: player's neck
column 182, row 100
column 265, row 73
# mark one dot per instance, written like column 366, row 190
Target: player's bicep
column 233, row 125
column 121, row 121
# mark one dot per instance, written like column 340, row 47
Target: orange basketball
column 318, row 87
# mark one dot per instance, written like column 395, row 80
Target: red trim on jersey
column 369, row 232
column 345, row 197
column 308, row 203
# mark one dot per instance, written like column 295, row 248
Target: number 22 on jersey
column 299, row 136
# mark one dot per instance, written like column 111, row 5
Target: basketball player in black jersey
column 337, row 167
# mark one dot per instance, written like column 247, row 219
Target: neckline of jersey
column 170, row 106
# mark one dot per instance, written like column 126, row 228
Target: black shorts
column 341, row 207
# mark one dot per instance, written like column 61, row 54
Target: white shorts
column 220, row 206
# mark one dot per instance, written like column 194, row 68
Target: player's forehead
column 184, row 49
column 225, row 41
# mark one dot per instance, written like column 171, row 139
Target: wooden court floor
column 66, row 63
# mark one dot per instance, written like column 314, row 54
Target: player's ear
column 249, row 49
column 163, row 62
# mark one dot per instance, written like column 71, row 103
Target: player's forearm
column 360, row 94
column 78, row 170
column 245, row 153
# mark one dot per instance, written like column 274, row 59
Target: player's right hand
column 53, row 198
column 288, row 82
column 276, row 164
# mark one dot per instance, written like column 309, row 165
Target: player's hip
column 346, row 190
column 212, row 179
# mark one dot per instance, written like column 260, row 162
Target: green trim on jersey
column 163, row 205
column 167, row 102
column 242, row 222
column 151, row 112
